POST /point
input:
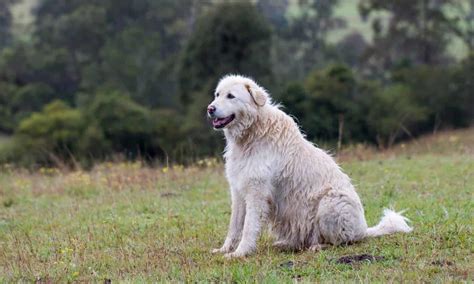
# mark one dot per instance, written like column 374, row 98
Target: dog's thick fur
column 278, row 178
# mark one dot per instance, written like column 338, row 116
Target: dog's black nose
column 211, row 109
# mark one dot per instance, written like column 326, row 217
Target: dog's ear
column 258, row 97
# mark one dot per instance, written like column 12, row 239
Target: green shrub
column 50, row 136
column 445, row 92
column 393, row 112
column 119, row 125
column 332, row 107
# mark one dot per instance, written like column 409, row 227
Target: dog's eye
column 217, row 94
column 230, row 96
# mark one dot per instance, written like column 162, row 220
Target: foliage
column 351, row 49
column 334, row 105
column 116, row 44
column 5, row 22
column 440, row 90
column 393, row 112
column 308, row 27
column 50, row 136
column 417, row 32
column 294, row 100
column 7, row 121
column 462, row 22
column 125, row 126
column 108, row 125
column 230, row 38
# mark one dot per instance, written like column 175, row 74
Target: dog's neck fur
column 250, row 127
column 268, row 120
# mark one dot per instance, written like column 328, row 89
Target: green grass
column 125, row 222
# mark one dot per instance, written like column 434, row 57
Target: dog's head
column 237, row 100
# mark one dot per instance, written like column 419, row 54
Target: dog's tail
column 391, row 222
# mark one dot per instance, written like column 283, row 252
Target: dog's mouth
column 222, row 122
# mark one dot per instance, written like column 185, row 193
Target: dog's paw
column 221, row 250
column 233, row 255
column 237, row 254
column 318, row 247
column 283, row 245
column 216, row 250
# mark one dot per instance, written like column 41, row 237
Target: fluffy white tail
column 391, row 222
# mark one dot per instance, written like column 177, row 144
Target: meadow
column 129, row 222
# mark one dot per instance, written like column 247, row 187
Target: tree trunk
column 341, row 130
column 437, row 123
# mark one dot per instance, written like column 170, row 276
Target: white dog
column 278, row 178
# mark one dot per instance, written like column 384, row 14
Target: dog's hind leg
column 318, row 247
column 284, row 245
column 341, row 219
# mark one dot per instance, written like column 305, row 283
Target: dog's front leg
column 236, row 224
column 256, row 211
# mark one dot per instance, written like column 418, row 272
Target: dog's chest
column 251, row 165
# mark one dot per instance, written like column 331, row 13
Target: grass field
column 131, row 223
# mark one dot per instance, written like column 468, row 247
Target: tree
column 275, row 13
column 443, row 91
column 5, row 22
column 416, row 32
column 392, row 113
column 462, row 103
column 334, row 107
column 22, row 64
column 351, row 49
column 7, row 119
column 131, row 47
column 131, row 63
column 294, row 99
column 230, row 38
column 463, row 21
column 125, row 126
column 310, row 21
column 28, row 99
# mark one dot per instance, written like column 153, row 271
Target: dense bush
column 393, row 112
column 111, row 124
column 440, row 92
column 49, row 136
column 416, row 100
column 125, row 126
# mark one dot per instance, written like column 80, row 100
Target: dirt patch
column 287, row 264
column 168, row 194
column 442, row 262
column 41, row 280
column 353, row 259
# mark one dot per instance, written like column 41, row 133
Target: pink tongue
column 218, row 121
